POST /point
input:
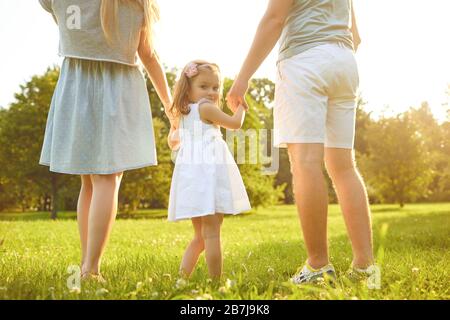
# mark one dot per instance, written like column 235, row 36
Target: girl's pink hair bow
column 191, row 70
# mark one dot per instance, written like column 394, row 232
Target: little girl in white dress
column 206, row 182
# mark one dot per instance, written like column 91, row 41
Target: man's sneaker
column 358, row 274
column 311, row 275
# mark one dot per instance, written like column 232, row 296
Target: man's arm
column 355, row 32
column 267, row 35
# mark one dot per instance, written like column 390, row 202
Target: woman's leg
column 102, row 213
column 194, row 249
column 352, row 196
column 211, row 234
column 311, row 197
column 84, row 202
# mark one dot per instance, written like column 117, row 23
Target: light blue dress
column 100, row 120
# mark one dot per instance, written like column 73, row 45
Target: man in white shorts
column 314, row 117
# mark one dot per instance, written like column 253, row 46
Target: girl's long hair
column 181, row 101
column 110, row 8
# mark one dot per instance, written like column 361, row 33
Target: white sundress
column 206, row 179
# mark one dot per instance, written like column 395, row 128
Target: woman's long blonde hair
column 181, row 101
column 109, row 9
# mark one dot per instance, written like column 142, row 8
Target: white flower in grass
column 415, row 270
column 270, row 270
column 230, row 283
column 76, row 290
column 322, row 295
column 139, row 285
column 181, row 283
column 205, row 296
column 101, row 292
column 223, row 290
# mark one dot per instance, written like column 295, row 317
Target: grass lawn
column 261, row 251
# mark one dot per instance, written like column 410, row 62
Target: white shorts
column 316, row 97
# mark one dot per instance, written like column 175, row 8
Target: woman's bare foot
column 97, row 277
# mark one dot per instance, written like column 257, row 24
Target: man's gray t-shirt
column 315, row 22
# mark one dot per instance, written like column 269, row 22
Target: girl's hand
column 173, row 139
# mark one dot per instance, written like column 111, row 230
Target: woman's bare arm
column 157, row 75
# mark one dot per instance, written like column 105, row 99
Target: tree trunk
column 48, row 203
column 54, row 197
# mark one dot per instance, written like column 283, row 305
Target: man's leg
column 353, row 200
column 311, row 196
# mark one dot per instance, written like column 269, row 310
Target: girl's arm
column 210, row 112
column 355, row 32
column 267, row 35
column 157, row 75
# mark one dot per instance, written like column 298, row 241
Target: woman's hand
column 236, row 95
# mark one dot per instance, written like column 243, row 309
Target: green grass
column 261, row 252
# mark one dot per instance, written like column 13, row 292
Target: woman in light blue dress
column 100, row 122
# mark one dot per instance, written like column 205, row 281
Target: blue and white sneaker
column 358, row 274
column 310, row 275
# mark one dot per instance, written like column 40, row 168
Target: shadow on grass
column 150, row 214
column 35, row 216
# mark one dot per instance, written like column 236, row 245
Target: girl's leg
column 211, row 234
column 194, row 249
column 311, row 197
column 352, row 196
column 102, row 213
column 84, row 202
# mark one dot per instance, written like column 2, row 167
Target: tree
column 397, row 163
column 262, row 189
column 21, row 137
column 432, row 135
column 150, row 186
column 156, row 105
column 446, row 105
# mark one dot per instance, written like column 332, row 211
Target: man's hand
column 173, row 139
column 236, row 95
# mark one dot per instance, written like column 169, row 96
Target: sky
column 404, row 58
